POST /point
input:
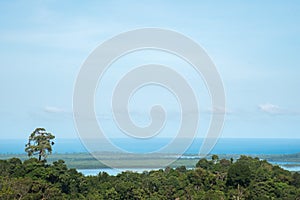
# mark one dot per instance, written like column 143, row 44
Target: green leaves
column 247, row 178
column 39, row 143
column 239, row 174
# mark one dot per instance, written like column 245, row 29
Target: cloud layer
column 53, row 109
column 276, row 110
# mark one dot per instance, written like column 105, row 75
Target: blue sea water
column 114, row 172
column 223, row 146
column 111, row 171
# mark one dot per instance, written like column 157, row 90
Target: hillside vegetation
column 246, row 178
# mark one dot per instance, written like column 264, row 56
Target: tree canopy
column 245, row 179
column 39, row 143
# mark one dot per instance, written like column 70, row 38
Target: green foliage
column 215, row 158
column 296, row 180
column 39, row 143
column 203, row 163
column 247, row 178
column 239, row 173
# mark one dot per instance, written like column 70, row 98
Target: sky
column 255, row 46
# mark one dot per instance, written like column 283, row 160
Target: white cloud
column 220, row 110
column 275, row 109
column 271, row 108
column 52, row 109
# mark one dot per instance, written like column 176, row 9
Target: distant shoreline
column 87, row 161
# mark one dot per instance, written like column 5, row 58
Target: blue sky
column 255, row 46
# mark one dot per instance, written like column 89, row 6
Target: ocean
column 223, row 146
column 253, row 146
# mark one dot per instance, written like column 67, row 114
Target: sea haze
column 223, row 146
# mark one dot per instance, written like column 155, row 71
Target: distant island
column 87, row 161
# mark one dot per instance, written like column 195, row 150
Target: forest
column 211, row 179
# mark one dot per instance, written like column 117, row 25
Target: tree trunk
column 40, row 155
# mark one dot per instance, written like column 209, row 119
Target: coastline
column 85, row 161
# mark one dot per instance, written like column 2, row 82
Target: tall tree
column 39, row 143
